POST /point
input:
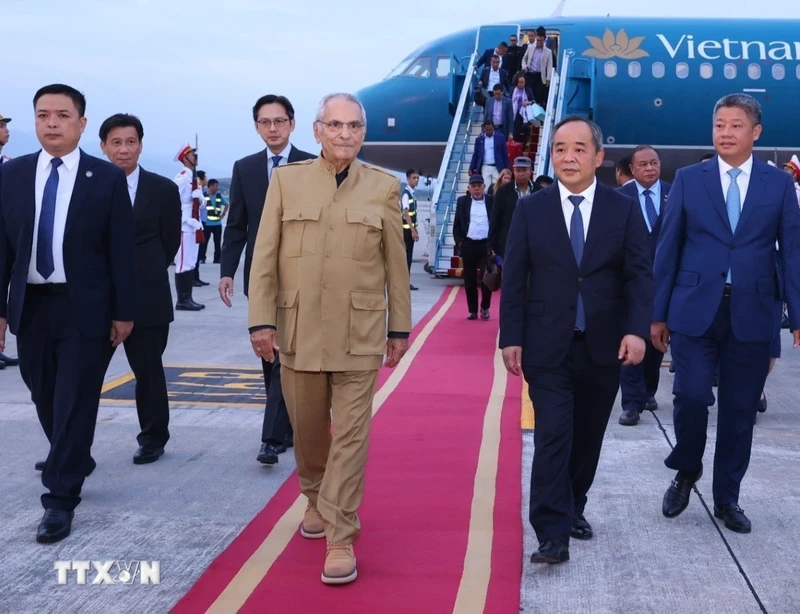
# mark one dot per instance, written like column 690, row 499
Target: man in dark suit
column 274, row 121
column 715, row 300
column 494, row 75
column 471, row 234
column 500, row 110
column 577, row 300
column 490, row 157
column 639, row 383
column 157, row 214
column 67, row 288
column 505, row 201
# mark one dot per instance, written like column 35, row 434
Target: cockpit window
column 401, row 67
column 421, row 67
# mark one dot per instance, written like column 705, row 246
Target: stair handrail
column 547, row 125
column 565, row 59
column 448, row 152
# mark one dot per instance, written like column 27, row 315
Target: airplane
column 643, row 80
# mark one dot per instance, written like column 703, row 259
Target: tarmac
column 183, row 510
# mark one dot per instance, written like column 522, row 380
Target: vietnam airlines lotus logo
column 619, row 46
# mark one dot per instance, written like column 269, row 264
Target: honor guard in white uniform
column 186, row 258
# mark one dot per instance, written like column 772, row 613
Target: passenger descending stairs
column 453, row 179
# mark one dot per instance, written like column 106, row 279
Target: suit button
column 365, row 220
column 331, row 226
column 299, row 215
column 327, row 254
column 284, row 302
column 335, row 200
column 580, row 279
column 324, row 286
column 370, row 304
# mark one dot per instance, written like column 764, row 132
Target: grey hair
column 340, row 95
column 597, row 133
column 745, row 102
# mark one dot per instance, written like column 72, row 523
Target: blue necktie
column 650, row 207
column 733, row 202
column 275, row 161
column 577, row 240
column 44, row 247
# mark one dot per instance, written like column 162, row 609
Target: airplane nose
column 378, row 107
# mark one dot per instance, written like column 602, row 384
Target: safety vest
column 412, row 210
column 214, row 208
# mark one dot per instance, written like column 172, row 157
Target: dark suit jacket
column 696, row 248
column 507, row 114
column 504, row 79
column 500, row 153
column 248, row 192
column 631, row 189
column 98, row 243
column 505, row 202
column 541, row 278
column 157, row 214
column 463, row 212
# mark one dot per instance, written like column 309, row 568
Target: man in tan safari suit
column 329, row 250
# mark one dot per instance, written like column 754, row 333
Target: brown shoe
column 312, row 526
column 340, row 564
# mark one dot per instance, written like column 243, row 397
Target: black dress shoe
column 551, row 552
column 472, row 316
column 581, row 529
column 289, row 441
column 9, row 362
column 762, row 403
column 2, row 365
column 413, row 287
column 733, row 517
column 651, row 404
column 630, row 417
column 39, row 466
column 268, row 455
column 55, row 526
column 676, row 499
column 484, row 314
column 147, row 454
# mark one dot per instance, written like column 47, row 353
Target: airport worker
column 329, row 261
column 715, row 294
column 577, row 303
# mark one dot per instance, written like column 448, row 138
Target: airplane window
column 706, row 70
column 610, row 69
column 634, row 70
column 778, row 71
column 659, row 70
column 400, row 68
column 421, row 67
column 682, row 70
column 730, row 71
column 442, row 66
column 754, row 71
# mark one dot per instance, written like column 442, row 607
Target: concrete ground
column 187, row 507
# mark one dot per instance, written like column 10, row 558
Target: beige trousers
column 331, row 469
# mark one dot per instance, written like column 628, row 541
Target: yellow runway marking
column 256, row 567
column 474, row 584
column 116, row 383
column 528, row 419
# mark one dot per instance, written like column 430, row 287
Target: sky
column 197, row 67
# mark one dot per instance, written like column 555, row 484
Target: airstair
column 571, row 92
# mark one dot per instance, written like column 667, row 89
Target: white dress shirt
column 743, row 180
column 488, row 150
column 67, row 173
column 494, row 78
column 133, row 184
column 478, row 221
column 284, row 158
column 586, row 205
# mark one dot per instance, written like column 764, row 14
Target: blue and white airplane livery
column 642, row 80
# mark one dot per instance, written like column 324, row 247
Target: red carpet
column 420, row 482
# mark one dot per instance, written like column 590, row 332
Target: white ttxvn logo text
column 110, row 572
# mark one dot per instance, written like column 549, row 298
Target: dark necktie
column 275, row 161
column 2, row 159
column 650, row 207
column 44, row 247
column 577, row 240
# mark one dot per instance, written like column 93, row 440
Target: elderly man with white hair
column 328, row 263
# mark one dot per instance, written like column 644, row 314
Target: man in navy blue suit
column 490, row 157
column 67, row 288
column 715, row 297
column 576, row 304
column 639, row 383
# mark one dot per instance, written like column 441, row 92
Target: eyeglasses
column 279, row 123
column 337, row 126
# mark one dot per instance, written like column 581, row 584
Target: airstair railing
column 436, row 205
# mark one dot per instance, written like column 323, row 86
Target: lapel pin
column 89, row 173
